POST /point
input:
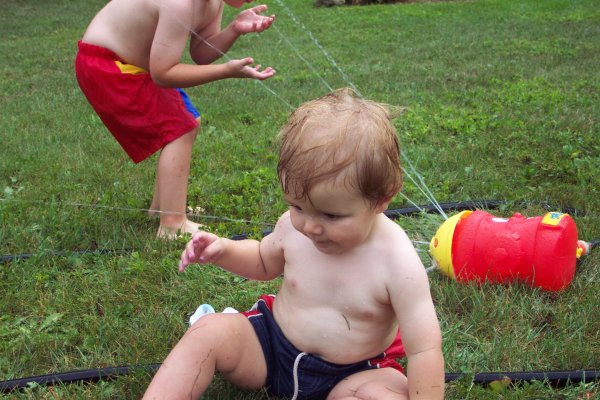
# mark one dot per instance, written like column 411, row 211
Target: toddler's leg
column 381, row 384
column 170, row 193
column 223, row 342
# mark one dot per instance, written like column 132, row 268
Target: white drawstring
column 296, row 362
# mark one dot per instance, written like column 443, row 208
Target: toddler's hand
column 250, row 20
column 203, row 248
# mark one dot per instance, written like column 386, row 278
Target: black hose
column 88, row 375
column 397, row 212
column 450, row 206
column 446, row 207
column 392, row 214
column 554, row 378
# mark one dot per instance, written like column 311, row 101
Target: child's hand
column 203, row 248
column 250, row 20
column 244, row 69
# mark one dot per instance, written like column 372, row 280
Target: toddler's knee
column 377, row 391
column 221, row 326
column 212, row 321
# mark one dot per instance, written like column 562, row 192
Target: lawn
column 502, row 103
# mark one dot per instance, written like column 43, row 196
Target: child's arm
column 419, row 328
column 170, row 39
column 210, row 44
column 248, row 258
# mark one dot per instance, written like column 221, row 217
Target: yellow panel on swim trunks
column 130, row 68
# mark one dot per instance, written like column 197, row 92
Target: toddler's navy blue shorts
column 297, row 375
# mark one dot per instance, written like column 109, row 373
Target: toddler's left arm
column 419, row 328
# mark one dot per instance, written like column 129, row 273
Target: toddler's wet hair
column 341, row 136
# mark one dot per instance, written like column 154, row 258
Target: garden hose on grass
column 392, row 214
column 554, row 378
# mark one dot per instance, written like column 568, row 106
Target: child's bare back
column 130, row 28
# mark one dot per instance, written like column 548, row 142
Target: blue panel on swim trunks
column 188, row 103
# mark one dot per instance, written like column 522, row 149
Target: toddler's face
column 336, row 218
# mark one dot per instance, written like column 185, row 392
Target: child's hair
column 343, row 137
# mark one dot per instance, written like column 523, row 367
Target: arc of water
column 316, row 42
column 309, row 65
column 420, row 243
column 422, row 186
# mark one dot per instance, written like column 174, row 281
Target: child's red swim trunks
column 142, row 116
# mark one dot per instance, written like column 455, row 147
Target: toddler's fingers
column 188, row 255
column 182, row 266
column 209, row 252
column 184, row 261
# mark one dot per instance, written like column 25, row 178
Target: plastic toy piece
column 540, row 251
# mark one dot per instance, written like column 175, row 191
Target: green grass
column 503, row 103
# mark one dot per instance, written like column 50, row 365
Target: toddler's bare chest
column 351, row 296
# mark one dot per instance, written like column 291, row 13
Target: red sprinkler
column 540, row 251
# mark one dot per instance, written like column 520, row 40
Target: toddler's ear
column 383, row 204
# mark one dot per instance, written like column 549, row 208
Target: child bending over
column 128, row 66
column 354, row 296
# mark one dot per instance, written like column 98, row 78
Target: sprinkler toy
column 540, row 251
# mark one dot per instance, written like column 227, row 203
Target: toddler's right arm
column 242, row 257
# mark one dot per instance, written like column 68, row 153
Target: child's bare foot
column 165, row 232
